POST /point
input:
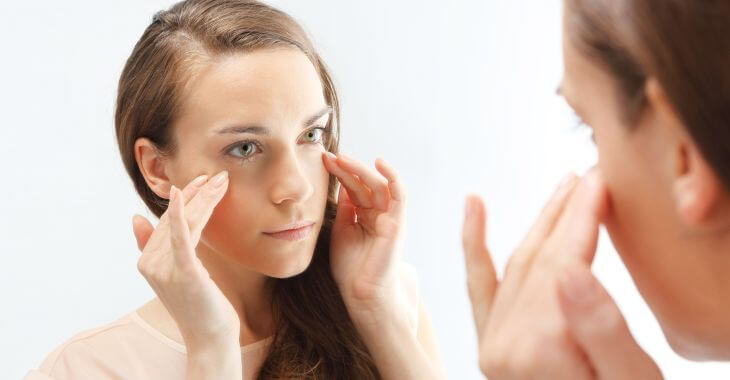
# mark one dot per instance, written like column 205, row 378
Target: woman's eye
column 313, row 135
column 245, row 150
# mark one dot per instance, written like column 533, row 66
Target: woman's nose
column 289, row 181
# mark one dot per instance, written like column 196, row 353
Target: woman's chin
column 289, row 267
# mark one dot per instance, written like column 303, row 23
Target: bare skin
column 666, row 211
column 261, row 117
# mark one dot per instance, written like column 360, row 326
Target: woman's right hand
column 205, row 317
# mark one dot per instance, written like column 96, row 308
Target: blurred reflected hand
column 540, row 321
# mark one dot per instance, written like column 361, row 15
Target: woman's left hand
column 364, row 247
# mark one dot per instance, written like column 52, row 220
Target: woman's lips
column 295, row 232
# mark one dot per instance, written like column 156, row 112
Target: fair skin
column 666, row 212
column 271, row 103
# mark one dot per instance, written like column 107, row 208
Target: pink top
column 129, row 348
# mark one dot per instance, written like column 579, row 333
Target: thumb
column 481, row 276
column 600, row 330
column 142, row 230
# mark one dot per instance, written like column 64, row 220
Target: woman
column 227, row 123
column 651, row 79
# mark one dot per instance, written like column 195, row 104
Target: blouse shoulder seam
column 82, row 338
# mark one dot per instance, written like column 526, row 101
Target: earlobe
column 152, row 166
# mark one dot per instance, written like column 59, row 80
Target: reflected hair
column 684, row 44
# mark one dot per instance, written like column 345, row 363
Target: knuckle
column 142, row 265
column 382, row 187
column 517, row 262
column 608, row 320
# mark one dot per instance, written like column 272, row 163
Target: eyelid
column 325, row 130
column 227, row 150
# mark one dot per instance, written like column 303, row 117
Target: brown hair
column 315, row 337
column 685, row 44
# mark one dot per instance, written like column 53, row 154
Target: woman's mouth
column 292, row 232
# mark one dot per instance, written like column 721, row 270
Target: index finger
column 188, row 192
column 576, row 233
column 521, row 260
column 200, row 208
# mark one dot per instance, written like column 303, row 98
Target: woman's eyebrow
column 236, row 129
column 325, row 111
column 256, row 130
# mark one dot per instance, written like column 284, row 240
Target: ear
column 697, row 189
column 152, row 164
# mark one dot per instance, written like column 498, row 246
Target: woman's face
column 685, row 286
column 261, row 116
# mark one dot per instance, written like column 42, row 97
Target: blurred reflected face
column 685, row 287
column 262, row 117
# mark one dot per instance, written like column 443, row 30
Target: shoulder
column 420, row 321
column 85, row 353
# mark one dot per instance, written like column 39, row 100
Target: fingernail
column 199, row 181
column 330, row 155
column 219, row 178
column 578, row 286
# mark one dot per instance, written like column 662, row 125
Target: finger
column 481, row 277
column 577, row 230
column 377, row 184
column 521, row 259
column 188, row 192
column 359, row 194
column 200, row 208
column 397, row 190
column 193, row 187
column 599, row 328
column 182, row 248
column 346, row 211
column 142, row 229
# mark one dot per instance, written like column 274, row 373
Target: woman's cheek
column 315, row 171
column 235, row 217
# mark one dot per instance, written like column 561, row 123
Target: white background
column 458, row 95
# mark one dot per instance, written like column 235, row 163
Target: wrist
column 377, row 321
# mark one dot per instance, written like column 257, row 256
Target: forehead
column 273, row 86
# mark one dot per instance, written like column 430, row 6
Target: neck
column 249, row 292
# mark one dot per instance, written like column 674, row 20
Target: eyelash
column 242, row 160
